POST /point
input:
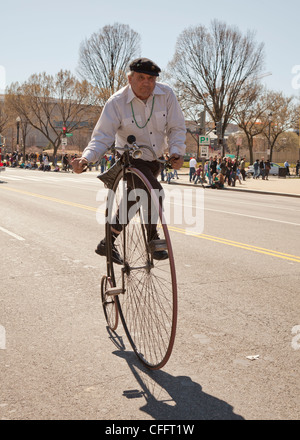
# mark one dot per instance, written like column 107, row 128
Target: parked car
column 273, row 171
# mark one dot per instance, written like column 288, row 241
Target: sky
column 39, row 36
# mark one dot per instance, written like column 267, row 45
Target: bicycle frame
column 135, row 151
column 126, row 168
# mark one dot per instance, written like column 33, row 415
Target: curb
column 255, row 191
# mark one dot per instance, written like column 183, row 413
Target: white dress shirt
column 165, row 129
column 193, row 163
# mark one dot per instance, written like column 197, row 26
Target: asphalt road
column 238, row 282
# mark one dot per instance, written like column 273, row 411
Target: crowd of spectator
column 218, row 171
column 36, row 161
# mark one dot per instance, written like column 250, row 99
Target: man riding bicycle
column 149, row 111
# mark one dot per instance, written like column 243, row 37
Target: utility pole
column 219, row 132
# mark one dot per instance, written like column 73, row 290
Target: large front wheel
column 148, row 306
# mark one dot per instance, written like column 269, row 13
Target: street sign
column 64, row 142
column 204, row 140
column 204, row 151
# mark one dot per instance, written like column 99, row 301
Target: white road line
column 12, row 178
column 53, row 179
column 17, row 237
column 235, row 213
column 253, row 216
column 260, row 204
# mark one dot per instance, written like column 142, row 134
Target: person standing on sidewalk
column 207, row 170
column 267, row 169
column 193, row 164
column 262, row 168
column 232, row 176
column 256, row 169
column 287, row 167
column 242, row 168
column 213, row 166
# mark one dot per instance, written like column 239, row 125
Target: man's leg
column 151, row 170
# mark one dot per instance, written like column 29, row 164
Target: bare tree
column 47, row 103
column 3, row 117
column 250, row 114
column 105, row 56
column 212, row 66
column 278, row 119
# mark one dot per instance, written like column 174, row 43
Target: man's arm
column 104, row 133
column 176, row 129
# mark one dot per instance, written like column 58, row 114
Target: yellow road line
column 52, row 199
column 247, row 247
column 225, row 241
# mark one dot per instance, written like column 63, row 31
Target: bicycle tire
column 109, row 304
column 148, row 308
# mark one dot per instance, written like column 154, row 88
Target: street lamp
column 18, row 120
column 270, row 118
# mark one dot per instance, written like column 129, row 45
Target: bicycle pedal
column 158, row 245
column 113, row 291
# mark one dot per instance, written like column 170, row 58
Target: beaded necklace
column 147, row 119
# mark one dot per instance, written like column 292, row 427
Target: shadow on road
column 169, row 397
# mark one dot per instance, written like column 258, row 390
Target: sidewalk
column 289, row 186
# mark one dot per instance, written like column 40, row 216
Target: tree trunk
column 250, row 147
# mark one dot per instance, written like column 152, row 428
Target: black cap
column 144, row 65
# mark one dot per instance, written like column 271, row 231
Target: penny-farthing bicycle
column 143, row 290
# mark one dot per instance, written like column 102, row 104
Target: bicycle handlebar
column 136, row 149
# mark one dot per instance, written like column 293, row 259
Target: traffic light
column 218, row 129
column 64, row 131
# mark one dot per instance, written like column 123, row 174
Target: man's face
column 142, row 84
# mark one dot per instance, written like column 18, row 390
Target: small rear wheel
column 109, row 304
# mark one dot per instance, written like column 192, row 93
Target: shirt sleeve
column 176, row 129
column 104, row 133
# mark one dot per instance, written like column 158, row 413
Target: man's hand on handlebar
column 79, row 165
column 176, row 161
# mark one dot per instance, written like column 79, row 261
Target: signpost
column 204, row 140
column 204, row 143
column 204, row 152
